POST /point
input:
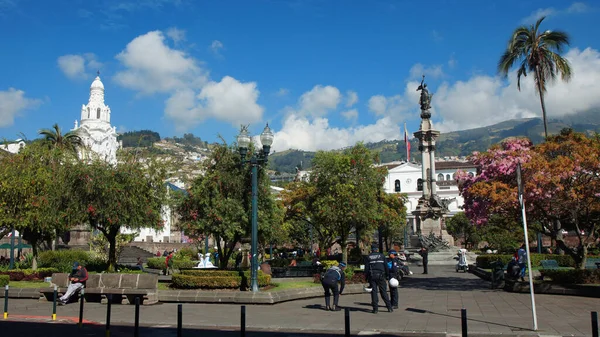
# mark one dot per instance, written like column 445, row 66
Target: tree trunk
column 539, row 85
column 111, row 237
column 584, row 251
column 344, row 245
column 35, row 254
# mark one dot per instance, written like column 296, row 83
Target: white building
column 13, row 147
column 406, row 178
column 94, row 129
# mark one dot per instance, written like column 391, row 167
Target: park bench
column 550, row 264
column 120, row 286
column 592, row 263
column 298, row 271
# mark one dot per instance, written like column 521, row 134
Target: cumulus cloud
column 298, row 132
column 12, row 103
column 574, row 8
column 351, row 98
column 152, row 66
column 77, row 66
column 175, row 34
column 282, row 92
column 418, row 70
column 319, row 101
column 485, row 100
column 351, row 115
column 216, row 46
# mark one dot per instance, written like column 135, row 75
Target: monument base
column 431, row 225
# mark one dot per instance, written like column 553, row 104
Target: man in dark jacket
column 330, row 281
column 394, row 270
column 77, row 280
column 377, row 275
column 424, row 252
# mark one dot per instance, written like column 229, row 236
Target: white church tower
column 95, row 130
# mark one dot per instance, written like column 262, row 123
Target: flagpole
column 523, row 215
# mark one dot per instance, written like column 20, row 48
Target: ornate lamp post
column 258, row 158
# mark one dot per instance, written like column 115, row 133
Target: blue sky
column 323, row 74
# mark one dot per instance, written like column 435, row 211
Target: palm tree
column 538, row 53
column 69, row 140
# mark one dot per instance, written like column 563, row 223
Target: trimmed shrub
column 4, row 280
column 28, row 274
column 262, row 278
column 358, row 278
column 183, row 264
column 572, row 276
column 224, row 275
column 329, row 263
column 214, row 282
column 156, row 262
column 63, row 259
column 210, row 273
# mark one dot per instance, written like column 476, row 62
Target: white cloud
column 228, row 100
column 397, row 107
column 73, row 66
column 298, row 132
column 418, row 70
column 578, row 7
column 154, row 67
column 216, row 46
column 282, row 92
column 12, row 103
column 485, row 100
column 351, row 115
column 436, row 36
column 319, row 100
column 575, row 8
column 175, row 34
column 351, row 98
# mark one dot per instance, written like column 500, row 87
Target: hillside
column 457, row 143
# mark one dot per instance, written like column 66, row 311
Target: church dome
column 97, row 84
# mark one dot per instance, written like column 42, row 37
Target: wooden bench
column 304, row 271
column 120, row 286
column 549, row 264
column 593, row 263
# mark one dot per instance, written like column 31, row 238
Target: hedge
column 29, row 274
column 216, row 279
column 572, row 276
column 159, row 263
column 484, row 261
column 63, row 260
column 4, row 280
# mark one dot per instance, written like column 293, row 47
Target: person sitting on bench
column 77, row 280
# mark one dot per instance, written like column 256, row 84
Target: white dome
column 97, row 84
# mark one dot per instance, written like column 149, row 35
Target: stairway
column 444, row 257
column 130, row 254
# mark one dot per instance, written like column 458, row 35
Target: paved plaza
column 429, row 306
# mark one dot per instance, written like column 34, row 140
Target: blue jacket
column 334, row 275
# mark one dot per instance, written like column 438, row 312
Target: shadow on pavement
column 445, row 283
column 35, row 329
column 352, row 309
column 421, row 311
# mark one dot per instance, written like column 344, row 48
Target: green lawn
column 28, row 284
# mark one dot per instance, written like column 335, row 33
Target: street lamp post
column 258, row 158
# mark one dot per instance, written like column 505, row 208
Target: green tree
column 392, row 218
column 69, row 140
column 218, row 203
column 109, row 197
column 460, row 227
column 538, row 53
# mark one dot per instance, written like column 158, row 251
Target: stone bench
column 304, row 271
column 120, row 286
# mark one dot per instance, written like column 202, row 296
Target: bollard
column 81, row 300
column 463, row 321
column 136, row 330
column 179, row 318
column 595, row 324
column 6, row 301
column 54, row 303
column 347, row 321
column 243, row 322
column 109, row 297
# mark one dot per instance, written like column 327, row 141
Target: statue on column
column 425, row 99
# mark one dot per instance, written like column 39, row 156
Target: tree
column 392, row 218
column 561, row 178
column 109, row 197
column 538, row 53
column 340, row 196
column 218, row 203
column 69, row 140
column 460, row 227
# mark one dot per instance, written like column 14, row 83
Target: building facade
column 407, row 178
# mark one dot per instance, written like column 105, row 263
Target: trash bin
column 497, row 274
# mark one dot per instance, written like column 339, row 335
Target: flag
column 407, row 144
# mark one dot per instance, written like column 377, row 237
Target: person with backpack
column 329, row 281
column 394, row 273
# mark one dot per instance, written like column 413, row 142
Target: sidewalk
column 429, row 306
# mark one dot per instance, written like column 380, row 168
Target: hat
column 75, row 265
column 374, row 248
column 393, row 252
column 342, row 264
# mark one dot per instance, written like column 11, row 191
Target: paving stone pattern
column 429, row 306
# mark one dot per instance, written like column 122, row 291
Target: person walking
column 522, row 254
column 77, row 280
column 377, row 274
column 394, row 273
column 424, row 252
column 330, row 280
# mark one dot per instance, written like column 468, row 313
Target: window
column 447, row 177
column 440, row 177
column 88, row 112
column 419, row 184
column 98, row 113
column 471, row 175
column 397, row 185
